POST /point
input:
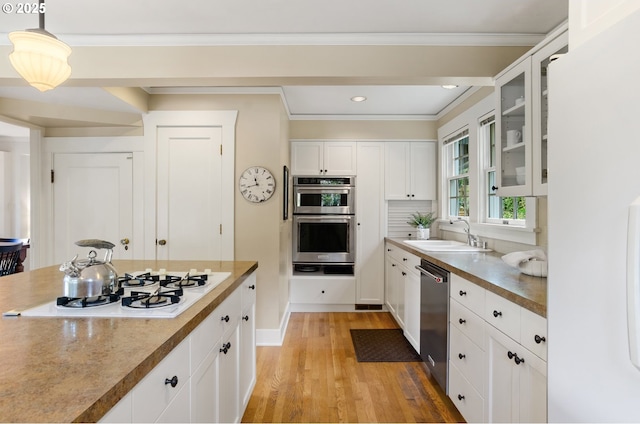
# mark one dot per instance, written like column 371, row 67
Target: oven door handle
column 430, row 275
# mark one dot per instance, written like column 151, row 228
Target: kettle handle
column 95, row 243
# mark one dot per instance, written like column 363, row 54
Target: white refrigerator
column 594, row 177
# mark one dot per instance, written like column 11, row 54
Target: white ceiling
column 255, row 22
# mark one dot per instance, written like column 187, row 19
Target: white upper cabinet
column 410, row 170
column 521, row 122
column 539, row 66
column 323, row 158
column 513, row 138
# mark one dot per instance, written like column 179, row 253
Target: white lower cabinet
column 156, row 395
column 516, row 381
column 402, row 291
column 497, row 357
column 208, row 377
column 228, row 376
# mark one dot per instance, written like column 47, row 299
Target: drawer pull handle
column 225, row 348
column 173, row 381
column 246, row 317
column 515, row 358
column 463, row 293
column 252, row 286
column 497, row 314
column 460, row 397
column 225, row 318
column 462, row 321
column 461, row 356
column 539, row 339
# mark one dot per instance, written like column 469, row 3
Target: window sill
column 511, row 233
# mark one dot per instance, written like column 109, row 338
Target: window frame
column 487, row 166
column 470, row 118
column 453, row 172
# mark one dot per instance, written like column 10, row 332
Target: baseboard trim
column 274, row 337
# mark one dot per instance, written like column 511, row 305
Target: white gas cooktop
column 117, row 310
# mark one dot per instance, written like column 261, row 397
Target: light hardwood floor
column 315, row 377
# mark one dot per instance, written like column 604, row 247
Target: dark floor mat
column 383, row 346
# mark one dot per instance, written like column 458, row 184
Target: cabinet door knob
column 462, row 321
column 252, row 286
column 463, row 293
column 460, row 397
column 162, row 242
column 510, row 354
column 246, row 317
column 497, row 314
column 225, row 348
column 518, row 360
column 539, row 339
column 494, row 188
column 225, row 318
column 461, row 356
column 173, row 381
column 404, row 273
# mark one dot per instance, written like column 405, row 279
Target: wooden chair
column 9, row 256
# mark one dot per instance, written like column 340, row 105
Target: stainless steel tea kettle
column 90, row 277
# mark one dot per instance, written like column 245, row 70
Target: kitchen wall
column 260, row 234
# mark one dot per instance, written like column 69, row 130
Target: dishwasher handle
column 435, row 278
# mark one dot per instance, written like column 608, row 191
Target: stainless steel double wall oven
column 324, row 227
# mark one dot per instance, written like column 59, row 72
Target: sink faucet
column 471, row 239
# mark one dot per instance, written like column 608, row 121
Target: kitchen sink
column 443, row 246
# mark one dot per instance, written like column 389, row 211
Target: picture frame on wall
column 285, row 197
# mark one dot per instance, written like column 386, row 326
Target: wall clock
column 257, row 184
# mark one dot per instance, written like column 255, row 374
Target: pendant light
column 39, row 57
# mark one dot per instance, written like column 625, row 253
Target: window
column 498, row 210
column 458, row 173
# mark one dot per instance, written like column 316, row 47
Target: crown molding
column 337, row 39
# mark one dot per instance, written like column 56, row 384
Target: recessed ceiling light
column 449, row 86
column 358, row 98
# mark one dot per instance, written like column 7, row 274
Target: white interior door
column 189, row 193
column 92, row 199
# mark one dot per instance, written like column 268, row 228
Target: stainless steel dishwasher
column 434, row 319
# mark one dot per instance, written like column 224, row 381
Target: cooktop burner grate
column 144, row 300
column 87, row 302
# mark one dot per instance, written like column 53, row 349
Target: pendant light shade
column 40, row 58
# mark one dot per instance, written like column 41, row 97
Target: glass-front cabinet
column 540, row 67
column 521, row 122
column 513, row 89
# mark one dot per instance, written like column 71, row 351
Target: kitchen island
column 77, row 369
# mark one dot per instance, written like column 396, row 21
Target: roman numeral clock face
column 257, row 184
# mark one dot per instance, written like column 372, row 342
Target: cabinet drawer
column 468, row 357
column 204, row 338
column 152, row 395
column 533, row 333
column 404, row 258
column 228, row 313
column 503, row 314
column 467, row 322
column 249, row 291
column 468, row 294
column 323, row 290
column 465, row 397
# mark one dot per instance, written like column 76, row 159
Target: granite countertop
column 488, row 270
column 77, row 369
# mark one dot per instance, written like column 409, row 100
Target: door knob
column 162, row 242
column 124, row 241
